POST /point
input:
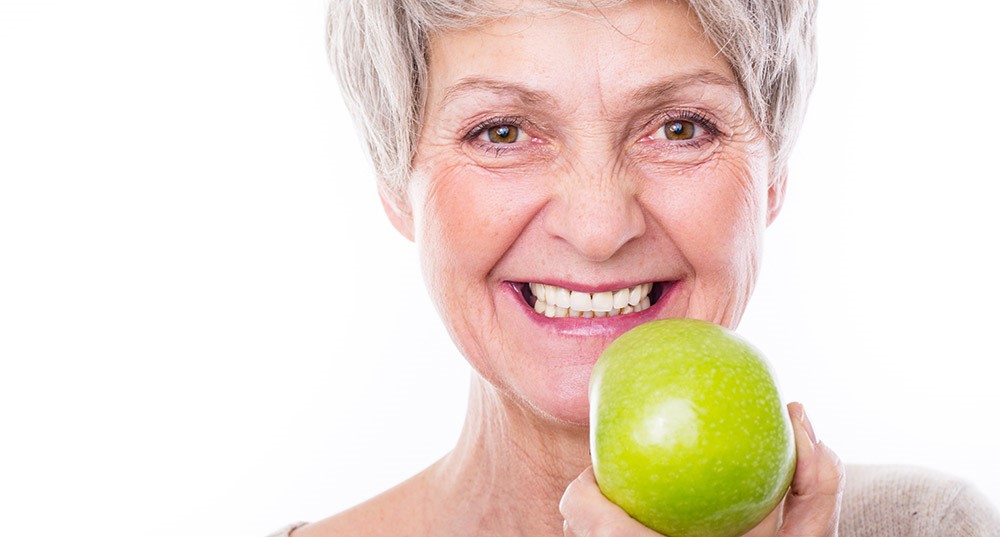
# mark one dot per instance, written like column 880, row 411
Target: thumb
column 812, row 507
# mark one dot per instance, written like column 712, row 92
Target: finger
column 812, row 506
column 588, row 513
column 769, row 526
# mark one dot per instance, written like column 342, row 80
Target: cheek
column 466, row 220
column 716, row 215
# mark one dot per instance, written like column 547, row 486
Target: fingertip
column 817, row 485
column 807, row 425
column 818, row 468
column 564, row 501
column 804, row 432
column 570, row 492
column 805, row 451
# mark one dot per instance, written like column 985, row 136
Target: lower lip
column 596, row 326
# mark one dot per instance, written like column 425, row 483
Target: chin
column 564, row 400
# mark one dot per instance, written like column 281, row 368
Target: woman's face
column 578, row 174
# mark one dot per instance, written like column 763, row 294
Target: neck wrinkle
column 510, row 467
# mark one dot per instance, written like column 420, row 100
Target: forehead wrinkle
column 524, row 94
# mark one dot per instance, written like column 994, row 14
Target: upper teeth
column 553, row 301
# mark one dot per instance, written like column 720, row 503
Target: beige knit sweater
column 901, row 501
column 897, row 501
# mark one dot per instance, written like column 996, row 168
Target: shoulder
column 900, row 500
column 403, row 506
column 371, row 518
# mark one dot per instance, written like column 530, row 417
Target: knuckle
column 832, row 474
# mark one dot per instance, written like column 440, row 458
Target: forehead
column 605, row 54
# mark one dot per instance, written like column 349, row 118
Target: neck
column 509, row 469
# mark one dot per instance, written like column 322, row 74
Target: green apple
column 688, row 433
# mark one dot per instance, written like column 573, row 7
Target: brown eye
column 503, row 134
column 679, row 130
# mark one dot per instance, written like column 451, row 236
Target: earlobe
column 397, row 208
column 776, row 194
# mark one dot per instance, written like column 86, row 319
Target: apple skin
column 688, row 433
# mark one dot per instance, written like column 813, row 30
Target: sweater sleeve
column 896, row 501
column 970, row 515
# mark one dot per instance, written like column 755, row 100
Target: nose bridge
column 596, row 209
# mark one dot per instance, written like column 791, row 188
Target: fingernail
column 807, row 425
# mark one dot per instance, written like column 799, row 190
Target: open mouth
column 554, row 301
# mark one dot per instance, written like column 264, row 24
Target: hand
column 810, row 509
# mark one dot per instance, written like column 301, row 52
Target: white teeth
column 554, row 301
column 580, row 301
column 620, row 299
column 603, row 301
column 550, row 294
column 635, row 295
column 563, row 297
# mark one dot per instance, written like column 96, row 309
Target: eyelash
column 472, row 136
column 693, row 116
column 493, row 122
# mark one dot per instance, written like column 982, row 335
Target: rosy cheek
column 713, row 212
column 467, row 218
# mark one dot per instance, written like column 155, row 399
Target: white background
column 207, row 327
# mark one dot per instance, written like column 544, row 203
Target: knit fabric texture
column 901, row 501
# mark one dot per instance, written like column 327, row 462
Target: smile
column 554, row 301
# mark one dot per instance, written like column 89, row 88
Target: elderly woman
column 547, row 155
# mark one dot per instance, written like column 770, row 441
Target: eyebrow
column 657, row 90
column 651, row 92
column 520, row 92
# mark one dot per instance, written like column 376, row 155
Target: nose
column 597, row 215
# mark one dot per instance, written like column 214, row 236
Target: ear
column 776, row 193
column 397, row 207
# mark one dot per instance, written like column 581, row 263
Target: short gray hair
column 379, row 51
